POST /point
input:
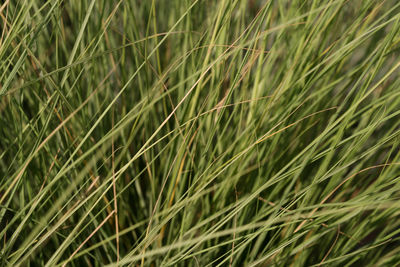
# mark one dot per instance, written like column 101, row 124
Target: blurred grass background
column 199, row 133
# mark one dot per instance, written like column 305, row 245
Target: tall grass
column 199, row 133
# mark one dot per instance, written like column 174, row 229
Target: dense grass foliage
column 199, row 133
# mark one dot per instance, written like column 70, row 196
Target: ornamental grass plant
column 199, row 133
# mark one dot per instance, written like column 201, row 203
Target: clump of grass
column 199, row 133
